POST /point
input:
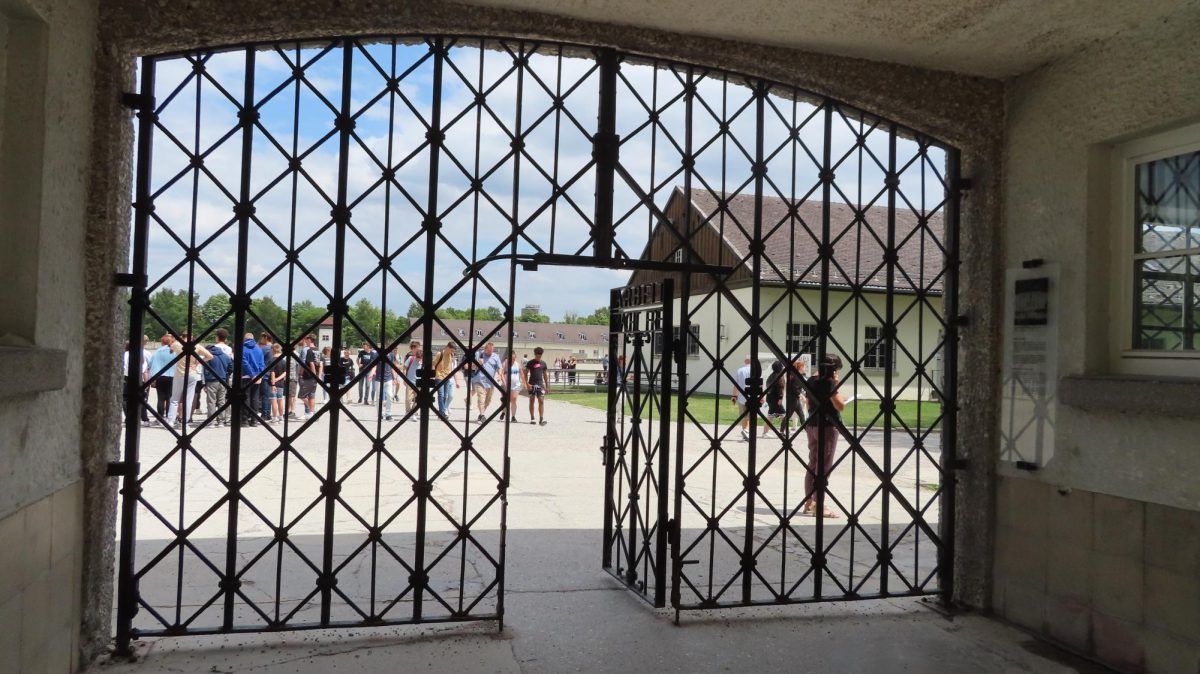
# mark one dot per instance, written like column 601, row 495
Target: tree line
column 170, row 308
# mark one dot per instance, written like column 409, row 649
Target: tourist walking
column 774, row 393
column 409, row 369
column 539, row 385
column 252, row 367
column 346, row 365
column 327, row 373
column 142, row 378
column 162, row 374
column 795, row 405
column 310, row 374
column 264, row 385
column 745, row 409
column 216, row 380
column 187, row 378
column 385, row 372
column 443, row 379
column 825, row 405
column 487, row 371
column 278, row 378
column 571, row 367
column 366, row 356
column 515, row 382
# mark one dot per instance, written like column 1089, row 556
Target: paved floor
column 562, row 613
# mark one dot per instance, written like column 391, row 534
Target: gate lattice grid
column 325, row 172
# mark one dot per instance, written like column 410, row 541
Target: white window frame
column 794, row 339
column 883, row 352
column 1123, row 358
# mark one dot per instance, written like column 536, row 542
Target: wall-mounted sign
column 1030, row 372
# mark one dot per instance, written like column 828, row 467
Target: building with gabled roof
column 718, row 228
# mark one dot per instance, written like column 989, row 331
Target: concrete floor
column 587, row 623
column 562, row 612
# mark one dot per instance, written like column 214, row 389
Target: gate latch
column 123, row 468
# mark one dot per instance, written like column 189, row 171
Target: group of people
column 388, row 377
column 272, row 386
column 814, row 400
column 564, row 370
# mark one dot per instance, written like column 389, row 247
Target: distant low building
column 586, row 343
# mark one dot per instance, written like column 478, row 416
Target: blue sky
column 383, row 213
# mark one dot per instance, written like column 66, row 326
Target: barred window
column 1166, row 254
column 875, row 351
column 802, row 338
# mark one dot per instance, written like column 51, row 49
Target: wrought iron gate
column 323, row 186
column 637, row 441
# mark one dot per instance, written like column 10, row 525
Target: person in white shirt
column 487, row 372
column 739, row 398
column 145, row 377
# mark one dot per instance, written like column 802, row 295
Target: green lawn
column 705, row 407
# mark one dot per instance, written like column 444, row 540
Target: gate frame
column 624, row 302
column 973, row 122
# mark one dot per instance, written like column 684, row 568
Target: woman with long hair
column 514, row 377
column 825, row 405
column 278, row 379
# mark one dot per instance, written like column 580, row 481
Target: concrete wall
column 1127, row 472
column 46, row 129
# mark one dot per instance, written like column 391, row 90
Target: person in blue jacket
column 216, row 380
column 252, row 367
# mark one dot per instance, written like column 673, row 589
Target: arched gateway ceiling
column 991, row 38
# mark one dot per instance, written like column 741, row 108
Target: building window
column 1166, row 254
column 479, row 333
column 462, row 333
column 532, row 334
column 677, row 256
column 582, row 337
column 802, row 338
column 875, row 349
column 1157, row 225
column 691, row 346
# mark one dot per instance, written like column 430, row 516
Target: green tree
column 529, row 316
column 171, row 308
column 305, row 316
column 489, row 314
column 572, row 317
column 266, row 315
column 213, row 312
column 599, row 317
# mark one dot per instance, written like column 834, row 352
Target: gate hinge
column 137, row 101
column 964, row 184
column 960, row 464
column 129, row 280
column 123, row 468
column 673, row 532
column 962, row 320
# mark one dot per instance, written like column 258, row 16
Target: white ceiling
column 993, row 38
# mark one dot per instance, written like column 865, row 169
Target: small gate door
column 637, row 438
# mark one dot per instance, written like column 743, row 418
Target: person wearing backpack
column 410, row 368
column 384, row 373
column 216, row 380
column 310, row 374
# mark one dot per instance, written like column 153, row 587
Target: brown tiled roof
column 859, row 253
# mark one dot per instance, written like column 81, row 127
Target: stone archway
column 962, row 110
